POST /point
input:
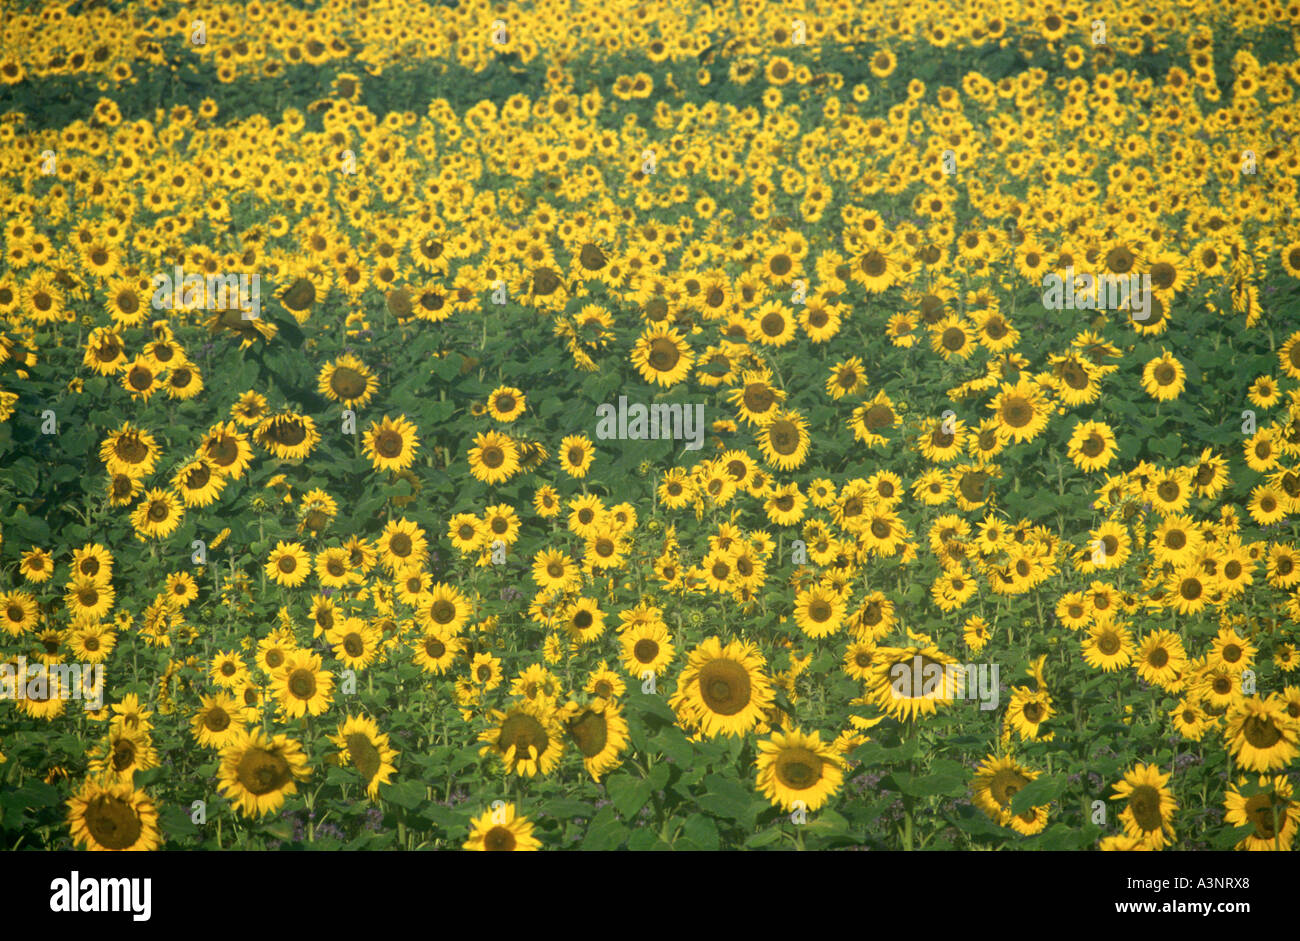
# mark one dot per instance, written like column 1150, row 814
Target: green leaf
column 629, row 794
column 405, row 794
column 1042, row 790
column 563, row 809
column 727, row 799
column 828, row 823
column 1059, row 837
column 764, row 838
column 605, row 832
column 673, row 743
column 644, row 839
column 176, row 822
column 702, row 832
column 1227, row 839
column 650, row 705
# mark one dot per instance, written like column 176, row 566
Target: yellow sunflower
column 723, row 690
column 501, row 829
column 362, row 746
column 258, row 771
column 391, row 444
column 795, row 768
column 113, row 815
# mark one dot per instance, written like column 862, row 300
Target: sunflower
column 553, row 570
column 494, row 458
column 1092, row 446
column 755, row 398
column 1188, row 589
column 258, row 771
column 647, row 647
column 996, row 782
column 538, row 682
column 1190, row 720
column 875, row 270
column 436, row 650
column 784, row 440
column 391, row 444
column 1109, row 646
column 113, row 815
column 1283, row 566
column 1027, row 712
column 1266, row 506
column 583, row 620
column 355, row 642
column 218, row 721
column 1164, row 377
column 44, row 694
column 105, row 353
column 227, row 448
column 1270, row 808
column 91, row 642
column 249, row 409
column 527, row 737
column 1161, row 658
column 952, row 337
column 1231, row 651
column 1169, row 491
column 662, row 355
column 228, row 670
column 183, row 382
column 546, row 501
column 940, row 441
column 88, row 600
column 599, row 732
column 908, row 683
column 18, row 612
column 785, row 505
column 123, row 752
column 334, row 570
column 141, row 378
column 795, row 768
column 157, row 515
column 723, row 690
column 846, row 378
column 882, row 63
column 130, row 451
column 1150, row 805
column 273, row 650
column 467, row 533
column 874, row 619
column 305, row 286
column 446, row 609
column 302, row 685
column 1261, row 735
column 1021, row 410
column 401, row 544
column 773, row 325
column 819, row 611
column 1177, row 540
column 289, row 564
column 362, row 746
column 94, row 562
column 501, row 829
column 576, row 455
column 347, row 380
column 198, row 483
column 485, row 671
column 288, row 436
column 506, row 403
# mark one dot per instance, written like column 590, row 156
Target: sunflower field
column 644, row 425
